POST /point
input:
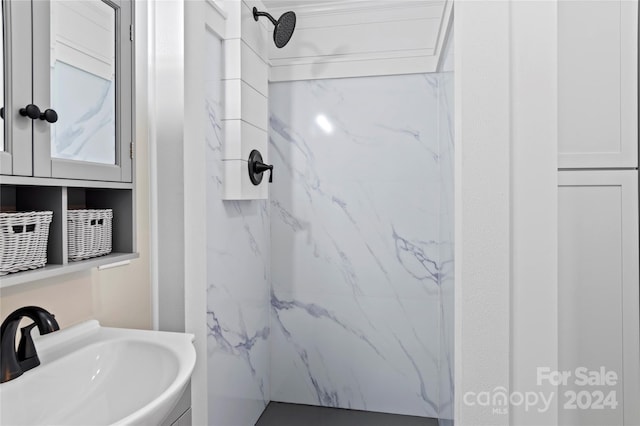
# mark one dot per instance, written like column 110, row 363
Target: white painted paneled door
column 598, row 296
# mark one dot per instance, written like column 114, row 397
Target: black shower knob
column 257, row 168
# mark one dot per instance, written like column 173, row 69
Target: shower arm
column 256, row 14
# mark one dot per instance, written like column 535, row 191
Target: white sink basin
column 92, row 375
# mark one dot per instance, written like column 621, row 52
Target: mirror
column 83, row 81
column 2, row 91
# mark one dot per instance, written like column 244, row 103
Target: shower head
column 283, row 27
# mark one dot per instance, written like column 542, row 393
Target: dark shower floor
column 281, row 414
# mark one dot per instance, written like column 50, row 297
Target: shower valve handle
column 261, row 168
column 257, row 167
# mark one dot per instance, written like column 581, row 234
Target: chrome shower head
column 283, row 27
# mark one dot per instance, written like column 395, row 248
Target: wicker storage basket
column 89, row 233
column 23, row 240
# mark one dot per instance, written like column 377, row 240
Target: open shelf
column 51, row 270
column 60, row 199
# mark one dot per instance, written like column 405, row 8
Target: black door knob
column 49, row 116
column 32, row 111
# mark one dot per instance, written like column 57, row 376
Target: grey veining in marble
column 361, row 243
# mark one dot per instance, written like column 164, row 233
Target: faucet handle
column 257, row 168
column 27, row 355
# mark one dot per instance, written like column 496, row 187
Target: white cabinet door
column 82, row 70
column 598, row 84
column 598, row 292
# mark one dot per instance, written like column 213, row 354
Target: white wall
column 482, row 206
column 176, row 75
column 534, row 205
column 166, row 139
column 505, row 203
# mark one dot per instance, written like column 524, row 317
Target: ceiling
column 350, row 38
column 293, row 4
column 335, row 5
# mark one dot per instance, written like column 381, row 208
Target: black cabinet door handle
column 49, row 115
column 2, row 113
column 32, row 111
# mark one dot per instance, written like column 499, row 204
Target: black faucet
column 12, row 362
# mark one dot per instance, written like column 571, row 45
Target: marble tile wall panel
column 356, row 298
column 237, row 277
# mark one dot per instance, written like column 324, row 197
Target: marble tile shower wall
column 361, row 243
column 237, row 280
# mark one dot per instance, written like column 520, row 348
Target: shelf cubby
column 119, row 200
